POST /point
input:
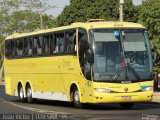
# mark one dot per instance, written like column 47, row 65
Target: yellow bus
column 93, row 62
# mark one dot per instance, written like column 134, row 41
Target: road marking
column 34, row 109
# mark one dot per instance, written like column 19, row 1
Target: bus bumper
column 122, row 97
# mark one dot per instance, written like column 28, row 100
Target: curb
column 156, row 97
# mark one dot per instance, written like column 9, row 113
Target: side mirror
column 90, row 56
column 84, row 43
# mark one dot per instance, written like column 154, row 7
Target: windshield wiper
column 124, row 65
column 121, row 66
column 133, row 71
column 116, row 74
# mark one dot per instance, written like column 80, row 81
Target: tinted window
column 28, row 47
column 8, row 48
column 46, row 44
column 19, row 48
column 70, row 41
column 58, row 43
column 37, row 45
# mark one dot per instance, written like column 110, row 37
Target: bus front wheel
column 76, row 98
column 126, row 105
column 29, row 94
column 21, row 93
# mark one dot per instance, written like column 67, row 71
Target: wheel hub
column 21, row 93
column 29, row 92
column 76, row 97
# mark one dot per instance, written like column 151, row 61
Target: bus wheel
column 126, row 105
column 29, row 94
column 21, row 93
column 76, row 98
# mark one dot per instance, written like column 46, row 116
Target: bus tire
column 29, row 94
column 76, row 98
column 126, row 105
column 21, row 93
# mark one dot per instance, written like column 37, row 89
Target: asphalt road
column 10, row 107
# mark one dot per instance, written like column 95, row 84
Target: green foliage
column 27, row 21
column 130, row 11
column 22, row 16
column 149, row 16
column 83, row 10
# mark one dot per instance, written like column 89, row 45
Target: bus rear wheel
column 21, row 93
column 126, row 105
column 76, row 98
column 29, row 94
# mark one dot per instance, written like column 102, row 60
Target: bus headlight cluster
column 147, row 89
column 102, row 90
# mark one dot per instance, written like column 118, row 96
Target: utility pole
column 121, row 10
column 41, row 20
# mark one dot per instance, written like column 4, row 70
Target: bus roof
column 87, row 25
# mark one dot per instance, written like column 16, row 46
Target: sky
column 60, row 4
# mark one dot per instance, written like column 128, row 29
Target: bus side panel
column 49, row 76
column 72, row 74
column 11, row 84
column 69, row 74
column 8, row 86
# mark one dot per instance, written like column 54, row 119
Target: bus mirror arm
column 90, row 56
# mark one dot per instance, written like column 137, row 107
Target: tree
column 82, row 11
column 22, row 16
column 130, row 11
column 40, row 7
column 27, row 21
column 149, row 16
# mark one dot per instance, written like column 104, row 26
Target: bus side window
column 27, row 46
column 46, row 44
column 56, row 45
column 61, row 43
column 25, row 51
column 53, row 44
column 16, row 47
column 35, row 39
column 85, row 66
column 39, row 45
column 70, row 42
column 81, row 38
column 8, row 49
column 12, row 49
column 30, row 52
column 19, row 47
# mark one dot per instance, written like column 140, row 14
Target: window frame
column 51, row 43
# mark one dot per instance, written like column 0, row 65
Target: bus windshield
column 121, row 55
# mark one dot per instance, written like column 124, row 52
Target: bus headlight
column 102, row 90
column 147, row 89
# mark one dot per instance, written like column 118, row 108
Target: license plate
column 126, row 97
